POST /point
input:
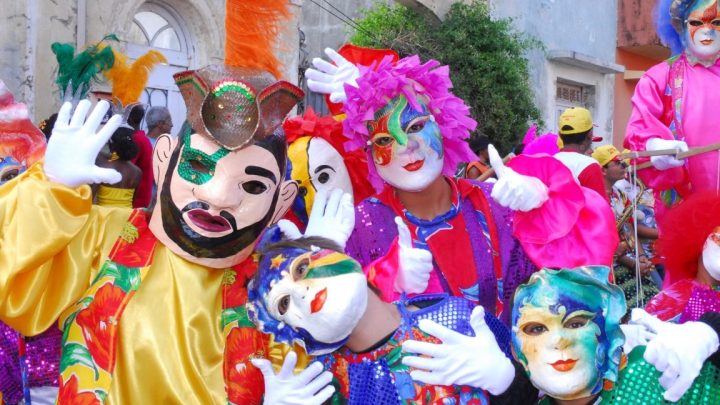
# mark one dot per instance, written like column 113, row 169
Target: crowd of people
column 382, row 254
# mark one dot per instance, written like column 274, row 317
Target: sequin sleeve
column 52, row 241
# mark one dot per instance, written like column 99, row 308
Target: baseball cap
column 575, row 120
column 606, row 154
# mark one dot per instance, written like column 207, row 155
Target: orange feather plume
column 129, row 80
column 251, row 29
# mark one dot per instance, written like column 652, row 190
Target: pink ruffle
column 575, row 227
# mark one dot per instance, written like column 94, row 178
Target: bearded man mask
column 222, row 181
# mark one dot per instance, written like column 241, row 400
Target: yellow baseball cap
column 575, row 120
column 605, row 154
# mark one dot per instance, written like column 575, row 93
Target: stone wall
column 28, row 66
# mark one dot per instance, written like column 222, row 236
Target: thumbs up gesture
column 415, row 265
column 513, row 190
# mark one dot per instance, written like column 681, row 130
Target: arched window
column 158, row 26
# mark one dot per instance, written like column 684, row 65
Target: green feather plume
column 76, row 72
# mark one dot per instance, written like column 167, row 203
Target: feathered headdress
column 251, row 28
column 241, row 100
column 379, row 83
column 670, row 18
column 76, row 72
column 128, row 80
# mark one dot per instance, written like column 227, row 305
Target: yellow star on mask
column 277, row 261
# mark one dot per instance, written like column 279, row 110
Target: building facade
column 577, row 66
column 190, row 33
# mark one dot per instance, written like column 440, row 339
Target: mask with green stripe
column 306, row 295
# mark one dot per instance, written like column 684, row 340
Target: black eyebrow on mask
column 261, row 171
column 323, row 167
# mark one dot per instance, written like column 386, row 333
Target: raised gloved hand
column 332, row 217
column 636, row 335
column 665, row 162
column 415, row 265
column 74, row 146
column 461, row 360
column 513, row 190
column 309, row 387
column 331, row 79
column 678, row 351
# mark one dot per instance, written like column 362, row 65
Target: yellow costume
column 115, row 197
column 54, row 241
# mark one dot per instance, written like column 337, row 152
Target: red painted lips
column 564, row 365
column 414, row 166
column 318, row 302
column 211, row 223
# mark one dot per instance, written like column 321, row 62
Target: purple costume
column 375, row 232
column 42, row 360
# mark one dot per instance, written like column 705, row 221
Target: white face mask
column 711, row 254
column 702, row 33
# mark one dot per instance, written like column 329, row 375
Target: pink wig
column 380, row 83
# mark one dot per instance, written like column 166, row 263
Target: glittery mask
column 195, row 165
column 566, row 330
column 308, row 296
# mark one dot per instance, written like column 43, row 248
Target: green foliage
column 486, row 58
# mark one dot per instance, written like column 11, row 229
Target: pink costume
column 693, row 118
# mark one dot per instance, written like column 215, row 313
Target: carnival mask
column 702, row 31
column 711, row 254
column 214, row 203
column 566, row 330
column 406, row 145
column 9, row 169
column 316, row 166
column 311, row 296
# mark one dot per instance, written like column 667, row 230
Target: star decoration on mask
column 277, row 261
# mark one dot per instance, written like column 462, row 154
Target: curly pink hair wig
column 382, row 82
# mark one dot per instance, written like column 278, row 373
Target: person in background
column 159, row 122
column 47, row 125
column 122, row 150
column 143, row 159
column 479, row 146
column 576, row 132
column 613, row 170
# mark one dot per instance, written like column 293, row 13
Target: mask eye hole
column 302, row 190
column 254, row 187
column 199, row 167
column 324, row 177
column 534, row 329
column 9, row 175
column 715, row 23
column 416, row 127
column 383, row 141
column 695, row 23
column 300, row 270
column 576, row 322
column 283, row 304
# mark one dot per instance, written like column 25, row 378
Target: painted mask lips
column 414, row 166
column 707, row 41
column 318, row 302
column 564, row 365
column 208, row 222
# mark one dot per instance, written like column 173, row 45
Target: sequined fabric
column 702, row 300
column 43, row 358
column 375, row 230
column 378, row 376
column 638, row 383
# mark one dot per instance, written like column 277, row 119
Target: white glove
column 678, row 351
column 513, row 190
column 460, row 360
column 665, row 162
column 636, row 335
column 415, row 265
column 332, row 217
column 285, row 388
column 74, row 146
column 331, row 79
